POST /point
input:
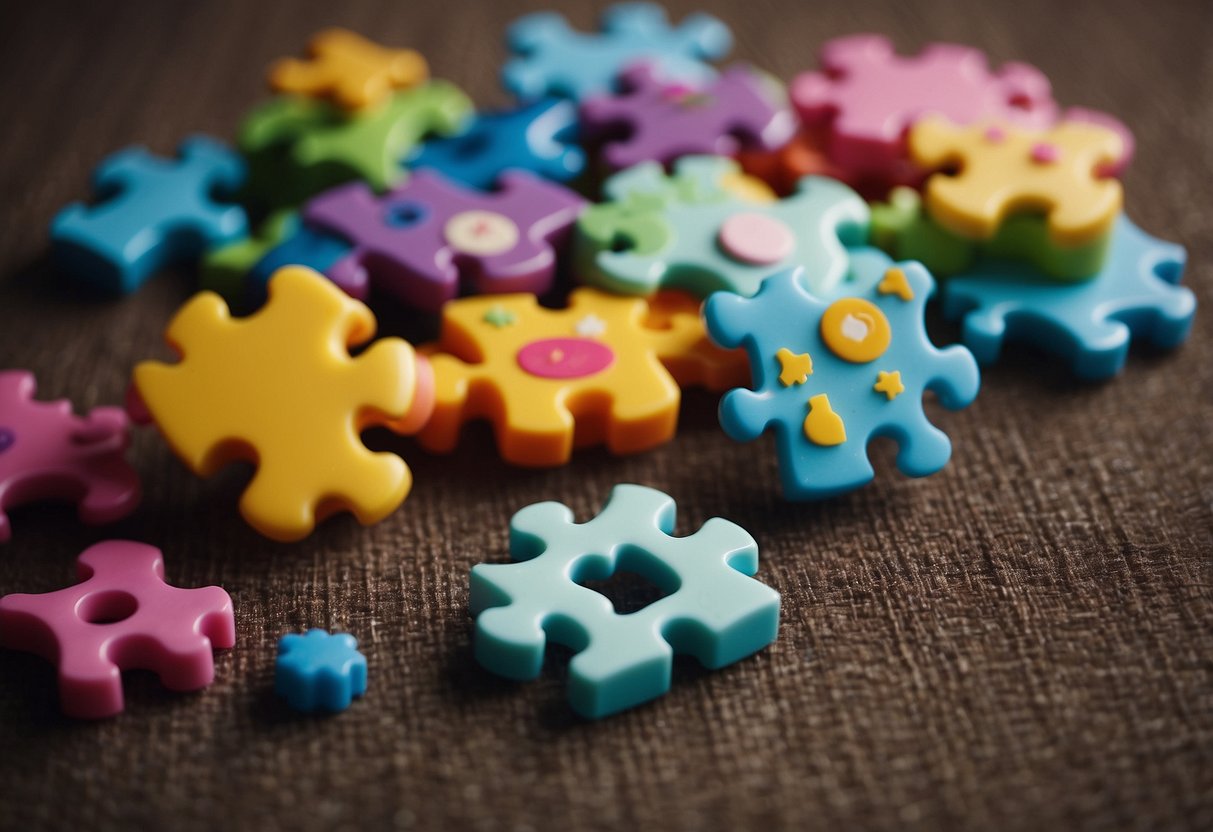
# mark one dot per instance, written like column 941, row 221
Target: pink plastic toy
column 46, row 452
column 121, row 616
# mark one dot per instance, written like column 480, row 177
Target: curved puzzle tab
column 353, row 72
column 714, row 609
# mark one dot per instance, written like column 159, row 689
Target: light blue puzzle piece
column 783, row 315
column 554, row 59
column 658, row 231
column 319, row 671
column 539, row 137
column 714, row 610
column 151, row 212
column 1089, row 324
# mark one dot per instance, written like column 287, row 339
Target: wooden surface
column 1024, row 641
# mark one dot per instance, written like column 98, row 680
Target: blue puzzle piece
column 151, row 212
column 714, row 610
column 539, row 137
column 302, row 246
column 830, row 376
column 554, row 59
column 319, row 671
column 1089, row 324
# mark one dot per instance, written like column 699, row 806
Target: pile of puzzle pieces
column 684, row 223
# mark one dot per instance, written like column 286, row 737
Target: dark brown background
column 1022, row 641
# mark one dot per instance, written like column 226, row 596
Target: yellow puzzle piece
column 355, row 73
column 280, row 389
column 1004, row 170
column 605, row 369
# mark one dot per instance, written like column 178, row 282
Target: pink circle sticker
column 565, row 357
column 755, row 239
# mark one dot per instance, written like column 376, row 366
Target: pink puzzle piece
column 663, row 122
column 46, row 452
column 121, row 616
column 869, row 96
column 423, row 239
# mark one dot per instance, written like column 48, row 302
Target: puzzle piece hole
column 7, row 439
column 639, row 579
column 107, row 607
column 403, row 214
column 1169, row 270
column 473, row 145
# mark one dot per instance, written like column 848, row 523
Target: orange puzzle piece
column 352, row 71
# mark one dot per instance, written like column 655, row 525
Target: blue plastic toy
column 319, row 671
column 713, row 611
column 539, row 137
column 151, row 212
column 554, row 59
column 301, row 246
column 830, row 376
column 1089, row 324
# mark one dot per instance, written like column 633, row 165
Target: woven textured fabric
column 1023, row 641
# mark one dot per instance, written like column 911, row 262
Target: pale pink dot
column 755, row 239
column 1045, row 154
column 995, row 134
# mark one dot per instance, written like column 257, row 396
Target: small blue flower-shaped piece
column 319, row 671
column 831, row 375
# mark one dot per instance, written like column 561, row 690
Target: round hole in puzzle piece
column 756, row 239
column 7, row 439
column 855, row 330
column 404, row 214
column 107, row 607
column 481, row 232
column 565, row 358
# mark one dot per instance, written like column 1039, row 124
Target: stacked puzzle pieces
column 695, row 225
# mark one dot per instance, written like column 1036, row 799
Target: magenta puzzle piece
column 424, row 239
column 46, row 452
column 742, row 109
column 121, row 616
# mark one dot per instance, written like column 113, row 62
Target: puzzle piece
column 689, row 231
column 605, row 369
column 151, row 213
column 714, row 609
column 871, row 362
column 353, row 72
column 319, row 671
column 660, row 122
column 1088, row 324
column 279, row 389
column 783, row 168
column 298, row 147
column 419, row 240
column 121, row 616
column 553, row 59
column 1004, row 171
column 539, row 137
column 47, row 452
column 867, row 97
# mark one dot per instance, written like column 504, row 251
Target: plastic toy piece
column 783, row 168
column 152, row 213
column 606, row 369
column 1004, row 171
column 553, row 59
column 538, row 137
column 225, row 269
column 661, row 122
column 687, row 231
column 121, row 616
column 353, row 72
column 1088, row 324
column 279, row 389
column 319, row 671
column 902, row 228
column 421, row 239
column 857, row 345
column 868, row 97
column 714, row 610
column 46, row 452
column 298, row 147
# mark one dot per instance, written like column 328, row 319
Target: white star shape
column 591, row 326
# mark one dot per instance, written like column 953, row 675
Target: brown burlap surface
column 1024, row 641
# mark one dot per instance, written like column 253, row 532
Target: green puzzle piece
column 225, row 269
column 903, row 229
column 298, row 147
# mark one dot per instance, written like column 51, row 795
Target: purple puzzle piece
column 46, row 452
column 740, row 109
column 420, row 239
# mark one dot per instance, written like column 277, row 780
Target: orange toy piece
column 784, row 167
column 1004, row 170
column 605, row 369
column 280, row 389
column 353, row 72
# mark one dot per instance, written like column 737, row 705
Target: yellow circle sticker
column 855, row 330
